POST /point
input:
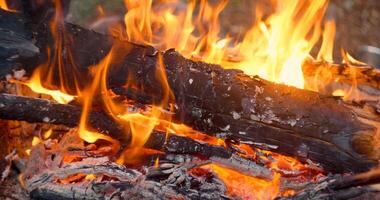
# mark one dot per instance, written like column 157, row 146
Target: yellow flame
column 90, row 177
column 274, row 48
column 35, row 84
column 347, row 58
column 48, row 133
column 4, row 6
column 36, row 141
column 326, row 51
column 339, row 93
column 156, row 162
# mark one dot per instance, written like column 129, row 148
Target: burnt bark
column 229, row 104
column 44, row 111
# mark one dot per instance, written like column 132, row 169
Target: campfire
column 163, row 104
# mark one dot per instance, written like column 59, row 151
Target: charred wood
column 43, row 111
column 363, row 78
column 231, row 105
column 341, row 187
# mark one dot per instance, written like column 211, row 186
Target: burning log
column 231, row 105
column 357, row 77
column 44, row 111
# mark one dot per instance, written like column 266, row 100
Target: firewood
column 341, row 187
column 363, row 78
column 127, row 183
column 34, row 110
column 231, row 105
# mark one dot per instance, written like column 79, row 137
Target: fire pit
column 163, row 106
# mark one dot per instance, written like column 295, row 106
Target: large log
column 232, row 105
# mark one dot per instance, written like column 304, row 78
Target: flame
column 35, row 84
column 48, row 133
column 4, row 6
column 326, row 51
column 247, row 187
column 274, row 48
column 339, row 93
column 44, row 79
column 156, row 162
column 90, row 177
column 36, row 141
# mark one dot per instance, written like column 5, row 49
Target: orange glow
column 36, row 141
column 44, row 79
column 156, row 162
column 274, row 48
column 35, row 84
column 339, row 93
column 90, row 177
column 4, row 6
column 326, row 51
column 247, row 187
column 48, row 133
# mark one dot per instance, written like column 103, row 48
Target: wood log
column 342, row 187
column 231, row 105
column 34, row 110
column 360, row 82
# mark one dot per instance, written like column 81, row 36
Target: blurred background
column 357, row 21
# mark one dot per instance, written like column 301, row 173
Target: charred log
column 231, row 105
column 43, row 111
column 342, row 187
column 363, row 78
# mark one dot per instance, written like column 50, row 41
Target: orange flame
column 43, row 79
column 274, row 48
column 4, row 6
column 247, row 187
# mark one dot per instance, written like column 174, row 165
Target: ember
column 123, row 115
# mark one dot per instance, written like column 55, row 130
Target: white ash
column 254, row 118
column 259, row 90
column 46, row 119
column 246, row 142
column 265, row 146
column 268, row 98
column 226, row 128
column 191, row 81
column 197, row 112
column 292, row 122
column 242, row 133
column 236, row 115
column 19, row 74
column 209, row 121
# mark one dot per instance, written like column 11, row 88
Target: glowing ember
column 36, row 141
column 48, row 133
column 247, row 187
